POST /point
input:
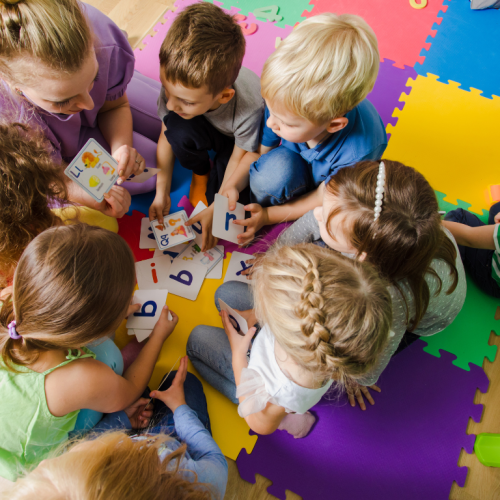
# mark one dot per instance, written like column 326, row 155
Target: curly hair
column 331, row 314
column 29, row 182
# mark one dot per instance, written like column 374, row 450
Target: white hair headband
column 379, row 190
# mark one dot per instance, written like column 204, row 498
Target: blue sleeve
column 206, row 459
column 267, row 136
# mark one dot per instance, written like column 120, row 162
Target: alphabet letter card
column 93, row 169
column 223, row 226
column 197, row 225
column 152, row 273
column 239, row 322
column 147, row 236
column 209, row 259
column 185, row 278
column 152, row 302
column 216, row 272
column 237, row 264
column 147, row 173
column 173, row 231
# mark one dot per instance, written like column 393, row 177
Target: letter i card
column 173, row 231
column 152, row 302
column 94, row 170
column 152, row 273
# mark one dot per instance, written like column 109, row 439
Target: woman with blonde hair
column 69, row 70
column 325, row 318
column 152, row 466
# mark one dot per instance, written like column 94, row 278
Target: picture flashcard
column 94, row 170
column 146, row 174
column 147, row 239
column 237, row 264
column 152, row 302
column 216, row 272
column 173, row 230
column 152, row 273
column 237, row 320
column 185, row 278
column 223, row 226
column 209, row 259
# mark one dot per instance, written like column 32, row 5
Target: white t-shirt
column 264, row 381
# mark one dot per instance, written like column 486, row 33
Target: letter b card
column 185, row 278
column 152, row 302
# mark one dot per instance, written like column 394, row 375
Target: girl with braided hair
column 324, row 318
column 387, row 214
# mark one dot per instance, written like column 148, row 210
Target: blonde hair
column 30, row 181
column 114, row 467
column 324, row 68
column 204, row 46
column 331, row 314
column 71, row 287
column 55, row 32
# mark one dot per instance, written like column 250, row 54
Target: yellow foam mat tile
column 451, row 136
column 230, row 431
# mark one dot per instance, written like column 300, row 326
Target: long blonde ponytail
column 55, row 32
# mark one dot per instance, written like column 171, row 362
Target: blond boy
column 314, row 86
column 208, row 102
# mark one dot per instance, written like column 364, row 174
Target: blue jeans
column 477, row 262
column 208, row 346
column 279, row 176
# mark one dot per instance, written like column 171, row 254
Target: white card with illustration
column 173, row 231
column 209, row 259
column 94, row 170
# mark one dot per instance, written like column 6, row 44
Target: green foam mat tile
column 467, row 337
column 447, row 206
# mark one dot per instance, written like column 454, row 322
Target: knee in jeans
column 196, row 337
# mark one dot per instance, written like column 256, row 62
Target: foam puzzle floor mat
column 405, row 446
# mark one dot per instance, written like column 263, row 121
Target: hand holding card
column 173, row 230
column 223, row 226
column 239, row 323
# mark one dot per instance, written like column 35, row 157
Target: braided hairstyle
column 329, row 313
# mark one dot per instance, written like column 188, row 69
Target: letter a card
column 223, row 226
column 152, row 273
column 94, row 170
column 173, row 231
column 185, row 278
column 237, row 264
column 152, row 302
column 239, row 322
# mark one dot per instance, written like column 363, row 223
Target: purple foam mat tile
column 405, row 446
column 391, row 83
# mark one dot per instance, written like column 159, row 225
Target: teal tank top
column 28, row 431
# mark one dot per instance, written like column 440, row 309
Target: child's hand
column 116, row 202
column 232, row 194
column 160, row 207
column 139, row 418
column 258, row 218
column 164, row 326
column 248, row 272
column 132, row 308
column 129, row 162
column 174, row 397
column 248, row 315
column 205, row 217
column 239, row 343
column 356, row 391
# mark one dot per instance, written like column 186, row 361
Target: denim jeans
column 279, row 176
column 208, row 346
column 477, row 262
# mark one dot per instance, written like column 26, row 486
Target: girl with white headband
column 386, row 213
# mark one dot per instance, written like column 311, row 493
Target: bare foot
column 297, row 425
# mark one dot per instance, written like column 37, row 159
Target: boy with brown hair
column 208, row 101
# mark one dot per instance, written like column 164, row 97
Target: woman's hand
column 138, row 416
column 174, row 397
column 129, row 162
column 239, row 343
column 258, row 218
column 356, row 392
column 160, row 207
column 116, row 202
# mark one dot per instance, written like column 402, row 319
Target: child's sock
column 297, row 425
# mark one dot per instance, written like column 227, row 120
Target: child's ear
column 337, row 124
column 362, row 257
column 226, row 95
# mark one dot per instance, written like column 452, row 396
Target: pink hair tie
column 13, row 332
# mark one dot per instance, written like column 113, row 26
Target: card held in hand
column 94, row 170
column 173, row 230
